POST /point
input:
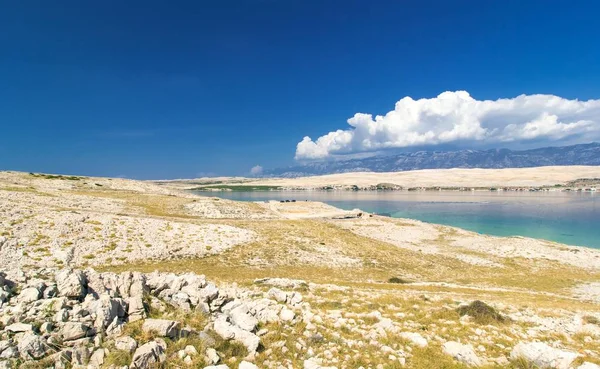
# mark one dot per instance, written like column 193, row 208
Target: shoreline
column 302, row 269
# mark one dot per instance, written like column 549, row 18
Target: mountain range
column 582, row 154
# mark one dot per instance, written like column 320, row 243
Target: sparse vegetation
column 481, row 313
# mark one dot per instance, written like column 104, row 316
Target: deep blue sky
column 183, row 88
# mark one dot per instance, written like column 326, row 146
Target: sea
column 571, row 218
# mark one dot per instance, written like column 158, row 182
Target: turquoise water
column 571, row 218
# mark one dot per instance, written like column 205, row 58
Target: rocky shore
column 112, row 273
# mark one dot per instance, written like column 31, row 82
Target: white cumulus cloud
column 456, row 117
column 256, row 170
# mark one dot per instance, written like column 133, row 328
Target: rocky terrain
column 113, row 273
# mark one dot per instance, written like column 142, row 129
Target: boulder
column 588, row 365
column 10, row 353
column 19, row 327
column 97, row 359
column 153, row 352
column 240, row 315
column 136, row 310
column 32, row 347
column 247, row 365
column 125, row 343
column 73, row 331
column 212, row 357
column 543, row 356
column 222, row 366
column 277, row 294
column 29, row 294
column 80, row 356
column 71, row 283
column 287, row 315
column 462, row 353
column 162, row 327
column 229, row 331
column 105, row 310
column 414, row 338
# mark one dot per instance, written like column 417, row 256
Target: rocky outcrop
column 69, row 315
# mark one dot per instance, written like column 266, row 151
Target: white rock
column 97, row 359
column 247, row 365
column 162, row 327
column 240, row 315
column 32, row 347
column 19, row 327
column 229, row 331
column 70, row 283
column 277, row 294
column 74, row 331
column 415, row 338
column 222, row 366
column 542, row 355
column 136, row 310
column 588, row 365
column 125, row 343
column 212, row 357
column 287, row 315
column 29, row 294
column 148, row 354
column 190, row 350
column 462, row 353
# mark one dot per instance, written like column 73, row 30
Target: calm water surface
column 571, row 218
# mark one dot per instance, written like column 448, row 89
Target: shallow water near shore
column 570, row 218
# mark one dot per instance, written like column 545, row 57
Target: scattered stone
column 19, row 327
column 32, row 347
column 153, row 352
column 415, row 338
column 212, row 357
column 543, row 356
column 462, row 353
column 125, row 343
column 74, row 331
column 162, row 327
column 71, row 283
column 247, row 365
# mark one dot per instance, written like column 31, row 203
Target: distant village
column 581, row 185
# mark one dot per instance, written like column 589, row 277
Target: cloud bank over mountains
column 456, row 117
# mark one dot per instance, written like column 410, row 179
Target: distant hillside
column 585, row 154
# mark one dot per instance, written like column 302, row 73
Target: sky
column 181, row 89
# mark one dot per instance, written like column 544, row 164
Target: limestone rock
column 247, row 365
column 32, row 347
column 136, row 310
column 71, row 283
column 29, row 294
column 588, row 365
column 229, row 331
column 74, row 331
column 543, row 356
column 125, row 343
column 150, row 353
column 163, row 327
column 19, row 327
column 211, row 356
column 97, row 359
column 287, row 315
column 415, row 338
column 462, row 353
